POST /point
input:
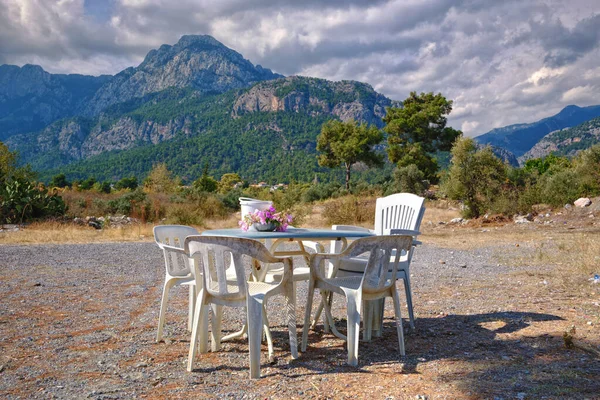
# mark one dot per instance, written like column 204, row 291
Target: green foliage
column 418, row 129
column 347, row 143
column 550, row 163
column 228, row 181
column 408, row 179
column 561, row 188
column 127, row 183
column 320, row 191
column 476, row 177
column 128, row 203
column 60, row 181
column 87, row 184
column 205, row 183
column 21, row 199
column 161, row 180
column 102, row 187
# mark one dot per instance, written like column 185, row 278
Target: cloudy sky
column 501, row 61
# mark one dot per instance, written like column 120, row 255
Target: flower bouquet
column 266, row 220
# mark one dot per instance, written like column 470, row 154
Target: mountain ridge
column 520, row 138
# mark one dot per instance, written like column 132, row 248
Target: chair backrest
column 384, row 254
column 214, row 253
column 176, row 264
column 398, row 211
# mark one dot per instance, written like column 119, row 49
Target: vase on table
column 268, row 227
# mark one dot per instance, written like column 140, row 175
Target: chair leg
column 254, row 320
column 368, row 310
column 215, row 333
column 398, row 320
column 199, row 328
column 378, row 318
column 290, row 303
column 409, row 302
column 163, row 308
column 309, row 302
column 267, row 333
column 192, row 301
column 353, row 301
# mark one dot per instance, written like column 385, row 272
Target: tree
column 475, row 177
column 161, row 180
column 60, row 181
column 206, row 183
column 228, row 182
column 8, row 161
column 347, row 143
column 127, row 183
column 417, row 129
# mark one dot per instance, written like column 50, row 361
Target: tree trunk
column 348, row 165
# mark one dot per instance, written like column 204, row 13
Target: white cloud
column 502, row 62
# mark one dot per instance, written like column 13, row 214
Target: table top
column 291, row 233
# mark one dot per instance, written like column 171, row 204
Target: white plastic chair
column 170, row 239
column 375, row 283
column 399, row 213
column 213, row 253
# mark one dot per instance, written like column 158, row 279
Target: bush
column 349, row 210
column 21, row 200
column 409, row 179
column 320, row 191
column 561, row 188
column 135, row 201
column 184, row 214
column 127, row 183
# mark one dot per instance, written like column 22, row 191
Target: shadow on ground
column 496, row 356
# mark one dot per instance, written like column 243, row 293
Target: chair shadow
column 494, row 359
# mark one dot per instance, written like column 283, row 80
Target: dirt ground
column 493, row 302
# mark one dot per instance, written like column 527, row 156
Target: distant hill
column 31, row 98
column 192, row 102
column 566, row 142
column 519, row 139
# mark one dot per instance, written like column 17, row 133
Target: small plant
column 278, row 221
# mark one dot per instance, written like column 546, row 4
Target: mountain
column 566, row 142
column 197, row 62
column 198, row 100
column 344, row 100
column 520, row 138
column 31, row 98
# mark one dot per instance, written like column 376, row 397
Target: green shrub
column 409, row 179
column 128, row 203
column 21, row 200
column 561, row 188
column 184, row 215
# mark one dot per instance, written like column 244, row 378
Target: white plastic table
column 297, row 235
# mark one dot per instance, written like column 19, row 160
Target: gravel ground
column 79, row 321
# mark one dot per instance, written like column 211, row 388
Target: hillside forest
column 401, row 157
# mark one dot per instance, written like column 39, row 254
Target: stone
column 521, row 219
column 582, row 202
column 456, row 220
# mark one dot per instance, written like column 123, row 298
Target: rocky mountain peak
column 199, row 62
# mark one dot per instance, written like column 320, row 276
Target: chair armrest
column 173, row 249
column 409, row 232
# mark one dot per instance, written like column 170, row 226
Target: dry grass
column 58, row 232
